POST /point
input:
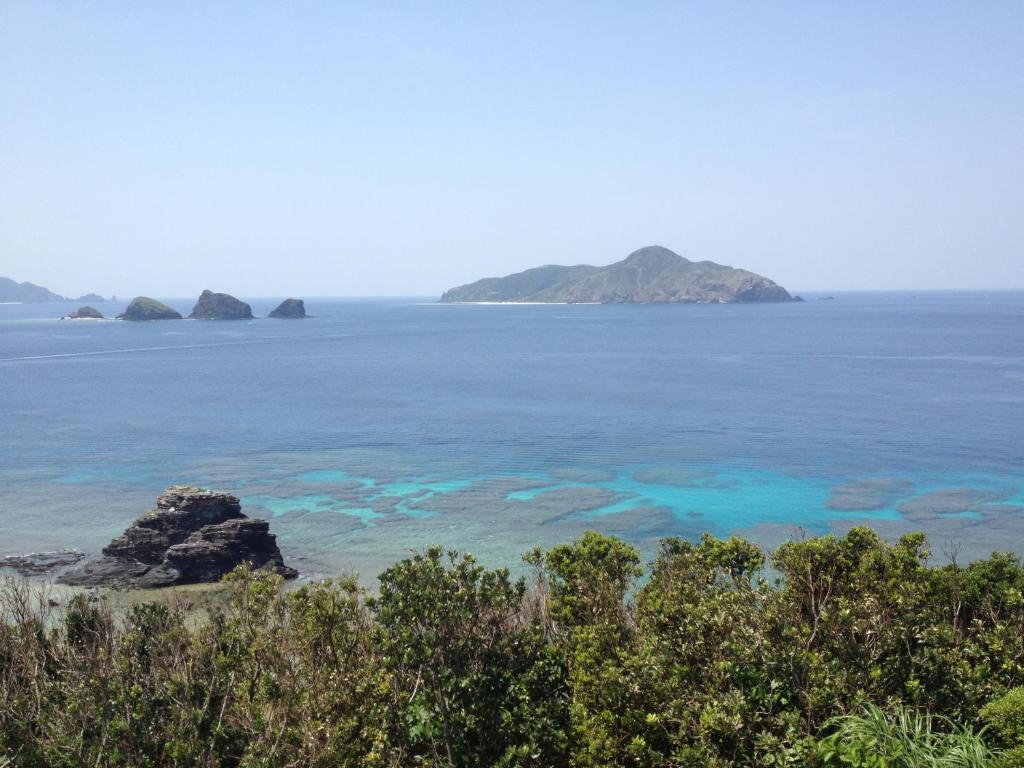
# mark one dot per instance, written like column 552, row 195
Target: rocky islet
column 143, row 308
column 209, row 306
column 84, row 313
column 193, row 536
column 289, row 309
column 220, row 306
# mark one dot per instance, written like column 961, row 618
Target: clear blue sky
column 381, row 148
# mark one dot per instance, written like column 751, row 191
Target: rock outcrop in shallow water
column 36, row 563
column 145, row 308
column 289, row 309
column 193, row 536
column 220, row 306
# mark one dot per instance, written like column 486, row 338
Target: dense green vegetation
column 857, row 654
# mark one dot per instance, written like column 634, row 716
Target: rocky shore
column 36, row 563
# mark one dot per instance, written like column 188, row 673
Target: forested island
column 854, row 652
column 651, row 275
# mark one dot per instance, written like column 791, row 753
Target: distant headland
column 651, row 275
column 12, row 292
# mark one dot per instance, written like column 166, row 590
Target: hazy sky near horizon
column 400, row 148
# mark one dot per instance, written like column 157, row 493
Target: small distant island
column 289, row 309
column 84, row 313
column 651, row 275
column 209, row 306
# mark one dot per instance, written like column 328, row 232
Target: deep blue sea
column 380, row 426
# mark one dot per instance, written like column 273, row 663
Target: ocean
column 378, row 427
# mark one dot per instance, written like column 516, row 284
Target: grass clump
column 905, row 738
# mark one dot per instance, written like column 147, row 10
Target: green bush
column 699, row 660
column 1005, row 716
column 469, row 678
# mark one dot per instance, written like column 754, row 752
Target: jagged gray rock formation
column 651, row 275
column 220, row 306
column 193, row 536
column 289, row 309
column 145, row 308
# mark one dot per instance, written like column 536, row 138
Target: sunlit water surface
column 380, row 426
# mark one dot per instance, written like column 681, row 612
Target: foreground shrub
column 470, row 678
column 1005, row 716
column 857, row 654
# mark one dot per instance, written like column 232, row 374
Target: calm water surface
column 379, row 426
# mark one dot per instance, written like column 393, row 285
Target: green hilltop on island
column 145, row 308
column 651, row 275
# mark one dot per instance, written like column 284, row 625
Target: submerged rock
column 84, row 313
column 289, row 309
column 193, row 536
column 220, row 306
column 145, row 308
column 868, row 494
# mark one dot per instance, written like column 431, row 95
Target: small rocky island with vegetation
column 84, row 313
column 144, row 308
column 209, row 306
column 651, row 275
column 220, row 306
column 193, row 536
column 289, row 309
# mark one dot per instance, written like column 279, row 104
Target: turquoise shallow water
column 382, row 426
column 719, row 502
